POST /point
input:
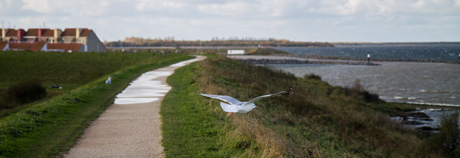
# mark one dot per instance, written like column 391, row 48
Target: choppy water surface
column 448, row 52
column 410, row 82
column 421, row 83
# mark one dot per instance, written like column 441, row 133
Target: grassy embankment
column 318, row 120
column 50, row 127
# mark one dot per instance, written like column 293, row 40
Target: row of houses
column 45, row 39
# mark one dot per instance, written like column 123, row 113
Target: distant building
column 86, row 37
column 69, row 40
column 235, row 52
column 12, row 35
column 44, row 35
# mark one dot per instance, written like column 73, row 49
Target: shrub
column 312, row 76
column 25, row 92
column 370, row 97
column 447, row 140
column 357, row 90
column 5, row 101
column 357, row 87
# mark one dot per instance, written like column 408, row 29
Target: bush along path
column 131, row 127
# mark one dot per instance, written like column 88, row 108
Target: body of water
column 449, row 52
column 409, row 82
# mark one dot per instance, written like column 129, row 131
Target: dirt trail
column 131, row 127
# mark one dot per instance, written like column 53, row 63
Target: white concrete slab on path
column 146, row 88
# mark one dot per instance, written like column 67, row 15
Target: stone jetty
column 262, row 60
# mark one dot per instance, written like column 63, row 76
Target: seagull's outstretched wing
column 258, row 98
column 222, row 97
column 269, row 95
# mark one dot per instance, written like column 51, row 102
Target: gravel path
column 131, row 127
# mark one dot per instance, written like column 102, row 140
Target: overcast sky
column 296, row 20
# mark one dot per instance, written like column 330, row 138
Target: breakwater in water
column 290, row 59
column 376, row 60
column 293, row 61
column 434, row 53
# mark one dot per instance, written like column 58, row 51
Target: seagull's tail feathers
column 228, row 108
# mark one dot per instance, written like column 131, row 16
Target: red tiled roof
column 12, row 32
column 48, row 33
column 34, row 32
column 65, row 46
column 68, row 32
column 72, row 32
column 3, row 44
column 35, row 47
column 85, row 32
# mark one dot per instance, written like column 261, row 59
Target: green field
column 49, row 127
column 66, row 69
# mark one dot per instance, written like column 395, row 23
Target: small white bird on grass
column 236, row 106
column 109, row 80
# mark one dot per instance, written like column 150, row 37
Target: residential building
column 12, row 35
column 69, row 40
column 84, row 36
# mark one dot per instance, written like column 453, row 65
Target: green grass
column 189, row 128
column 49, row 128
column 68, row 70
column 318, row 120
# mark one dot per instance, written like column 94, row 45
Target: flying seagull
column 238, row 106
